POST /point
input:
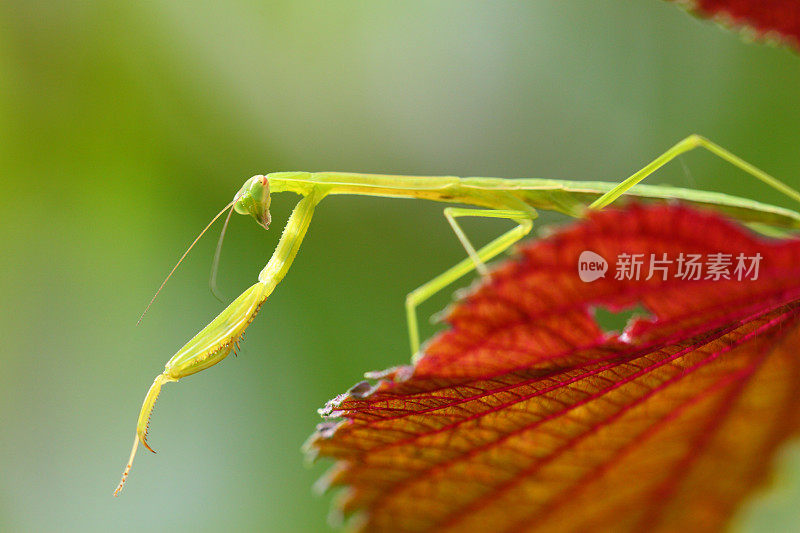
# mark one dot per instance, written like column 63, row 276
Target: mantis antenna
column 153, row 299
column 212, row 282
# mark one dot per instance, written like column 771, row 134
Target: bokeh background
column 124, row 126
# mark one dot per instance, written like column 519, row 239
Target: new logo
column 591, row 266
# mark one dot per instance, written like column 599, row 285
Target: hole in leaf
column 615, row 321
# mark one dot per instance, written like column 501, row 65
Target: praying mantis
column 513, row 199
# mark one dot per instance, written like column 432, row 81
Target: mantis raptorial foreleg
column 690, row 143
column 219, row 338
column 476, row 258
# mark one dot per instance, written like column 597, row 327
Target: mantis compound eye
column 253, row 199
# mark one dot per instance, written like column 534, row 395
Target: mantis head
column 253, row 199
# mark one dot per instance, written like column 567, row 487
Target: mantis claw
column 143, row 425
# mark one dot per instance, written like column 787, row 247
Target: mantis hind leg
column 476, row 259
column 690, row 143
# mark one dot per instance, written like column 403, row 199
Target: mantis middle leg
column 476, row 259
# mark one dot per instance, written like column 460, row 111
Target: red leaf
column 525, row 415
column 777, row 19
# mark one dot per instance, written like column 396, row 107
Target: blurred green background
column 125, row 126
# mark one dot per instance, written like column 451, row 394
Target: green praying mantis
column 513, row 199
